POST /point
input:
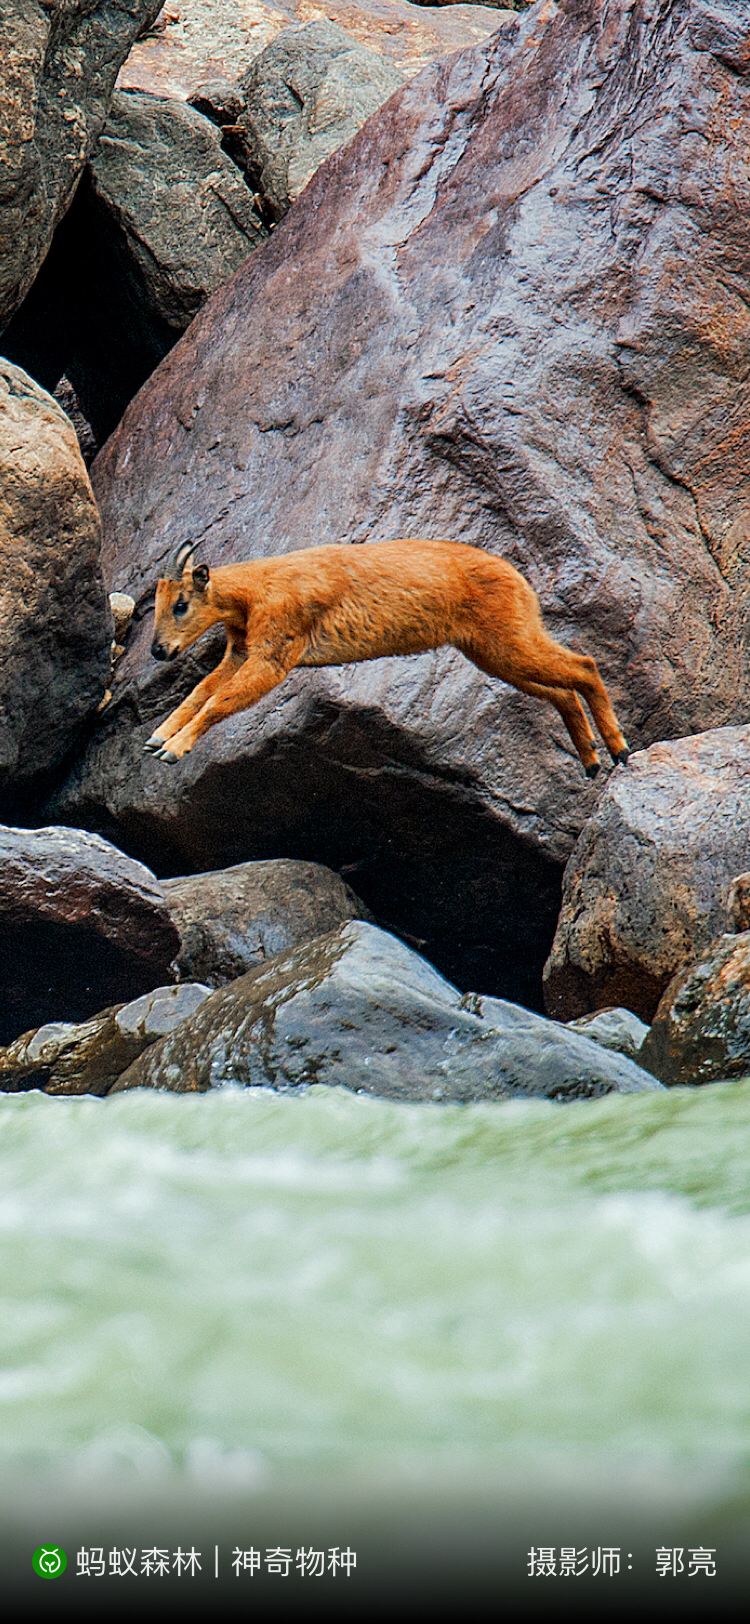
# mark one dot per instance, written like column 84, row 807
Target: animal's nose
column 158, row 650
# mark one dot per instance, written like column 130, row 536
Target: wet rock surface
column 55, row 628
column 358, row 1009
column 81, row 925
column 87, row 1058
column 161, row 219
column 496, row 329
column 649, row 883
column 238, row 917
column 701, row 1029
column 303, row 98
column 59, row 62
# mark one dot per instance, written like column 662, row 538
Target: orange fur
column 336, row 605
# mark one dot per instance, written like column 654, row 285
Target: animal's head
column 184, row 607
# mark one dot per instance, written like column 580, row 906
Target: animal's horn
column 183, row 554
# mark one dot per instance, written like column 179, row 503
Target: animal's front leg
column 231, row 662
column 258, row 676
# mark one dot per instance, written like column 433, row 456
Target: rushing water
column 243, row 1290
column 239, row 1295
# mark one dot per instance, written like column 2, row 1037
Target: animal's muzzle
column 160, row 652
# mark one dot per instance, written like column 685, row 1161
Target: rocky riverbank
column 390, row 271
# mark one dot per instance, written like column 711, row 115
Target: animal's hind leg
column 568, row 704
column 565, row 701
column 561, row 667
column 527, row 655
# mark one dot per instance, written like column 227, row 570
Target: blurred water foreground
column 476, row 1327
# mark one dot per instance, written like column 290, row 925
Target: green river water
column 237, row 1293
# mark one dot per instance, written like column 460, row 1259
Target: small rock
column 738, row 904
column 123, row 609
column 617, row 1029
column 87, row 1058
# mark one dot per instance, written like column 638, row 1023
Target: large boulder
column 60, row 59
column 81, row 926
column 55, row 628
column 65, row 1057
column 650, row 881
column 304, row 96
column 701, row 1030
column 210, row 40
column 359, row 1010
column 161, row 218
column 493, row 316
column 238, row 917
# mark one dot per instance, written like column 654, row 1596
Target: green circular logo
column 49, row 1561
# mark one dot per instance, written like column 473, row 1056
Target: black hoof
column 592, row 771
column 623, row 757
column 152, row 746
column 166, row 755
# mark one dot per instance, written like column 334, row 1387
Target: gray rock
column 58, row 67
column 65, row 1057
column 648, row 885
column 489, row 334
column 81, row 925
column 306, row 94
column 358, row 1009
column 617, row 1029
column 55, row 627
column 235, row 918
column 701, row 1029
column 161, row 218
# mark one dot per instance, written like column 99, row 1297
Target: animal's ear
column 201, row 576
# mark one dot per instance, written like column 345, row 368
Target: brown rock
column 87, row 1058
column 81, row 925
column 647, row 885
column 55, row 628
column 211, row 40
column 487, row 318
column 701, row 1030
column 738, row 904
column 59, row 62
column 238, row 917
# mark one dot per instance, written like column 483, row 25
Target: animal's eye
column 180, row 608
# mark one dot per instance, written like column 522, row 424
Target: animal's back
column 391, row 597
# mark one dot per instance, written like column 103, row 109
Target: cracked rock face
column 60, row 59
column 516, row 318
column 649, row 882
column 231, row 920
column 55, row 625
column 81, row 925
column 357, row 1009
